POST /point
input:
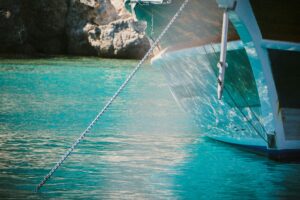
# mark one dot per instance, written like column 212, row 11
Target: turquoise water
column 145, row 147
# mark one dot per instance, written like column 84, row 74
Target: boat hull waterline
column 249, row 115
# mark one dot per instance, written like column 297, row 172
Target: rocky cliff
column 70, row 27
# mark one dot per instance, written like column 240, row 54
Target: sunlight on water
column 144, row 147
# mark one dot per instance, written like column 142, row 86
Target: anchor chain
column 90, row 126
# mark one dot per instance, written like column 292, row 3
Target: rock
column 81, row 13
column 118, row 39
column 33, row 26
column 45, row 21
column 97, row 29
column 120, row 8
column 75, row 27
column 13, row 33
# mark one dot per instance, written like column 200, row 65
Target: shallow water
column 144, row 147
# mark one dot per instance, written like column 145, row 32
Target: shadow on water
column 218, row 171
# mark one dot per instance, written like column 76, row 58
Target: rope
column 90, row 126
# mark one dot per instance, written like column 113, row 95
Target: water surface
column 144, row 147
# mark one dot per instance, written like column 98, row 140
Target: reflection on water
column 143, row 148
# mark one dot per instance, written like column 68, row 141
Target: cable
column 90, row 126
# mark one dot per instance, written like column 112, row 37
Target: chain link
column 88, row 129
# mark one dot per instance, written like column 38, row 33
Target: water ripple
column 143, row 148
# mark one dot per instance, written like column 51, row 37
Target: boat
column 234, row 65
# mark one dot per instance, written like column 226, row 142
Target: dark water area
column 144, row 147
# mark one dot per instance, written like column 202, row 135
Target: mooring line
column 90, row 126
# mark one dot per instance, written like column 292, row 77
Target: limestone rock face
column 99, row 28
column 80, row 14
column 119, row 39
column 45, row 22
column 13, row 32
column 33, row 26
column 77, row 27
column 119, row 6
